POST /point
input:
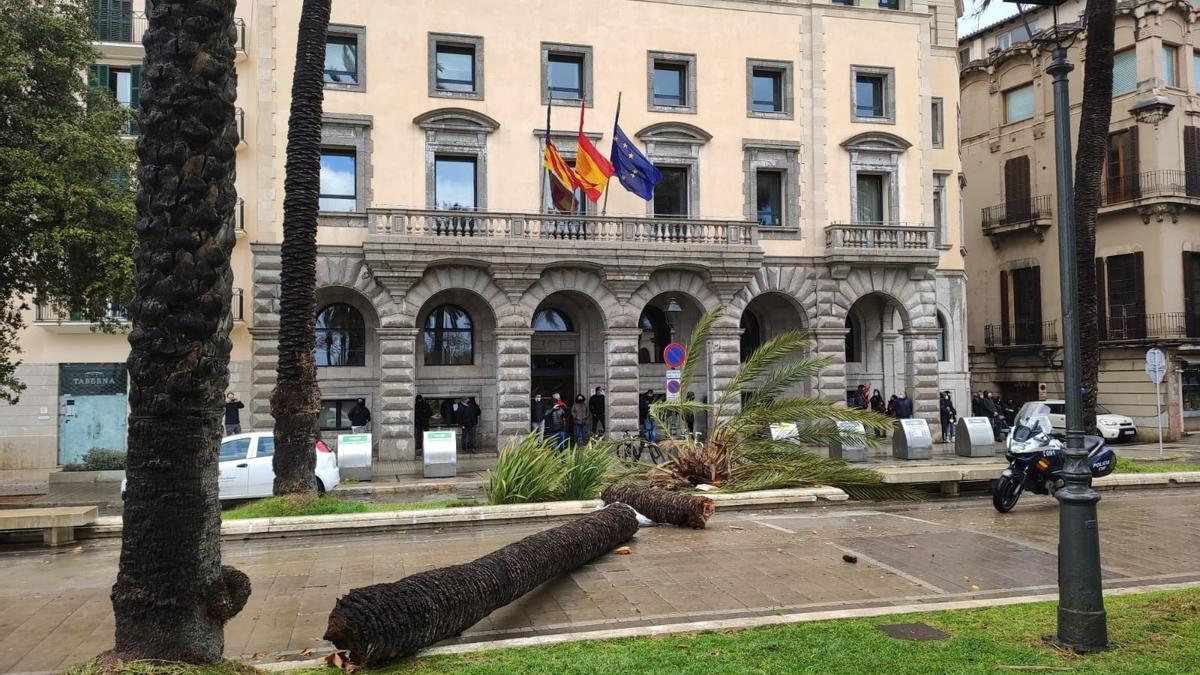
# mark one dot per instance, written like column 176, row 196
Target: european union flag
column 632, row 168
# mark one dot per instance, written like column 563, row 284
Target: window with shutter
column 1017, row 189
column 1191, row 160
column 112, row 20
column 1101, row 306
column 1005, row 335
column 1027, row 305
column 1124, row 71
column 1121, row 167
column 1191, row 293
column 1126, row 297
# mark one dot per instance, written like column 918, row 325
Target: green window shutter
column 135, row 94
column 97, row 77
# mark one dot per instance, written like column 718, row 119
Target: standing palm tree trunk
column 297, row 398
column 172, row 596
column 1090, row 152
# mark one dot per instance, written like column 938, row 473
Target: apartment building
column 1148, row 231
column 810, row 180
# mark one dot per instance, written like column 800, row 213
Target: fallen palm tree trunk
column 662, row 506
column 384, row 622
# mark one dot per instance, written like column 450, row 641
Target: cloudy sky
column 973, row 18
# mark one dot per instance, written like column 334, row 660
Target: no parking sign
column 673, row 386
column 674, row 355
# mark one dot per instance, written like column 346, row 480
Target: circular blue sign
column 674, row 355
column 673, row 386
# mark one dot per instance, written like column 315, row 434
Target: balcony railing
column 47, row 314
column 1162, row 326
column 1016, row 211
column 880, row 236
column 1022, row 334
column 1163, row 183
column 485, row 224
column 128, row 28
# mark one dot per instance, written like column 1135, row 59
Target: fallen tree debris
column 384, row 622
column 662, row 506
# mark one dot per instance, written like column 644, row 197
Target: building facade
column 810, row 181
column 1147, row 233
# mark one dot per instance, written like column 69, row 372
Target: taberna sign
column 92, row 379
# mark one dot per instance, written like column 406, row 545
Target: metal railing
column 1025, row 210
column 485, row 224
column 1161, row 326
column 129, row 28
column 1162, row 183
column 46, row 314
column 1022, row 334
column 887, row 235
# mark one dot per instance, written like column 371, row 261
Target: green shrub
column 529, row 470
column 587, row 470
column 99, row 459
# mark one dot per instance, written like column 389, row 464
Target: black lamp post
column 1082, row 622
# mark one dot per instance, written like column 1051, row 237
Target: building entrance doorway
column 553, row 373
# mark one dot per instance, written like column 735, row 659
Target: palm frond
column 696, row 345
column 767, row 355
column 783, row 410
column 785, row 377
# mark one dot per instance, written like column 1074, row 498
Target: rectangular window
column 769, row 201
column 1020, row 34
column 937, row 119
column 1124, row 71
column 112, row 20
column 338, row 190
column 1191, row 294
column 1126, row 297
column 1003, row 40
column 564, row 76
column 1196, row 72
column 1018, row 104
column 1191, row 160
column 671, row 193
column 964, row 56
column 1018, row 188
column 940, row 224
column 870, row 199
column 1027, row 305
column 455, row 68
column 868, row 95
column 1121, row 167
column 889, row 4
column 670, row 84
column 455, row 186
column 341, row 59
column 333, row 415
column 766, row 88
column 1170, row 56
column 847, row 3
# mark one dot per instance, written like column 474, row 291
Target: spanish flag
column 591, row 168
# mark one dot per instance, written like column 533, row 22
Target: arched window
column 942, row 341
column 449, row 338
column 341, row 336
column 853, row 355
column 751, row 334
column 550, row 320
column 656, row 335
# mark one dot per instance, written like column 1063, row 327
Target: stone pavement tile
column 92, row 622
column 19, row 646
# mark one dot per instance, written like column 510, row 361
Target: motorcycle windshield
column 1032, row 419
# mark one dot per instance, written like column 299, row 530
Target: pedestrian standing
column 596, row 406
column 557, row 421
column 537, row 415
column 947, row 415
column 423, row 414
column 904, row 407
column 233, row 418
column 468, row 419
column 645, row 418
column 359, row 416
column 880, row 407
column 579, row 420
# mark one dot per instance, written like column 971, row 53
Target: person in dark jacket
column 449, row 412
column 579, row 420
column 468, row 419
column 233, row 419
column 880, row 407
column 947, row 415
column 537, row 414
column 423, row 414
column 596, row 406
column 644, row 419
column 890, row 411
column 359, row 416
column 557, row 421
column 904, row 407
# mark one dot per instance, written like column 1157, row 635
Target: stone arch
column 354, row 278
column 674, row 132
column 456, row 119
column 876, row 141
column 674, row 281
column 460, row 277
column 796, row 282
column 583, row 281
column 915, row 299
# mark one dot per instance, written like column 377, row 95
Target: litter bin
column 440, row 453
column 973, row 437
column 912, row 440
column 852, row 451
column 354, row 456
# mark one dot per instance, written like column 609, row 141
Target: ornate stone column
column 830, row 342
column 621, row 366
column 395, row 422
column 512, row 384
column 724, row 357
column 921, row 372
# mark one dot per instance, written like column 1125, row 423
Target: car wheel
column 320, row 487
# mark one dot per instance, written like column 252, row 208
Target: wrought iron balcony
column 130, row 27
column 1150, row 184
column 1022, row 334
column 552, row 227
column 46, row 314
column 1161, row 326
column 1016, row 215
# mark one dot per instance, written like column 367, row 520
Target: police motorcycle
column 1036, row 456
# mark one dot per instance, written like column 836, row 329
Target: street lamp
column 1082, row 622
column 673, row 310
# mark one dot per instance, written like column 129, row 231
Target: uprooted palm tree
column 740, row 452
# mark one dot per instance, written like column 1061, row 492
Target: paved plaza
column 55, row 611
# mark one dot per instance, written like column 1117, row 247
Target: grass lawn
column 274, row 507
column 1126, row 465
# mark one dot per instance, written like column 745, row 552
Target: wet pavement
column 746, row 564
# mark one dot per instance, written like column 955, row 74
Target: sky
column 972, row 19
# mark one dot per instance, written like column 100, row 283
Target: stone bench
column 56, row 523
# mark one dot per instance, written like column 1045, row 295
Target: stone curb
column 736, row 624
column 990, row 472
column 254, row 528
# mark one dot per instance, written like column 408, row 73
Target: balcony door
column 1121, row 167
column 1027, row 305
column 870, row 205
column 455, row 189
column 1017, row 190
column 1126, row 296
column 1191, row 156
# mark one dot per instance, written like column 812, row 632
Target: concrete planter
column 61, row 477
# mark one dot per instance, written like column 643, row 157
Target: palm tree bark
column 1090, row 152
column 662, row 506
column 296, row 400
column 172, row 596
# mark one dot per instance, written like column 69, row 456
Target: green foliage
column 99, row 459
column 739, row 453
column 325, row 505
column 66, row 226
column 532, row 470
column 1127, row 465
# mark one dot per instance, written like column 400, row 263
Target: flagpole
column 545, row 142
column 604, row 209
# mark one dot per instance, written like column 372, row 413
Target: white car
column 246, row 471
column 1112, row 427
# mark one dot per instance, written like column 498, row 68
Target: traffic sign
column 673, row 385
column 674, row 355
column 1156, row 365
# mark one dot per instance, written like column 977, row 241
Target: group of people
column 463, row 413
column 1000, row 414
column 568, row 424
column 897, row 407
